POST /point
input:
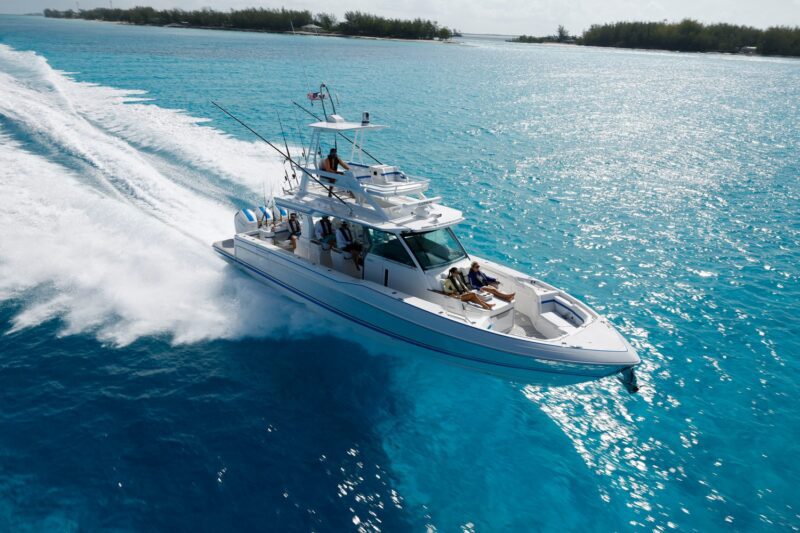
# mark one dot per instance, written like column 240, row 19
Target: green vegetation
column 355, row 23
column 692, row 36
column 685, row 36
column 358, row 23
column 561, row 36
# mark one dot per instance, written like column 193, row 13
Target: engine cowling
column 245, row 221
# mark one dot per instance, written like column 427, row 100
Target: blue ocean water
column 146, row 385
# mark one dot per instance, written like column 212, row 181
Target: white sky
column 536, row 17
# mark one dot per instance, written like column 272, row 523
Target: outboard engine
column 281, row 219
column 265, row 217
column 245, row 221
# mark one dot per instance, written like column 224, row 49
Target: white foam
column 108, row 210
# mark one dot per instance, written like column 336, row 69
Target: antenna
column 342, row 135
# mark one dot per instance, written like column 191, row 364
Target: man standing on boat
column 331, row 164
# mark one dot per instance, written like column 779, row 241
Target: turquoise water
column 146, row 385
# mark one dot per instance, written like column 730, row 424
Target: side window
column 389, row 246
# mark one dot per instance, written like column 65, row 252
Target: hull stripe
column 406, row 339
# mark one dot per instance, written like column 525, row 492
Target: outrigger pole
column 286, row 156
column 322, row 100
column 348, row 139
column 324, row 112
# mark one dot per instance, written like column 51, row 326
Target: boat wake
column 108, row 205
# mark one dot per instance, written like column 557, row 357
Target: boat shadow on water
column 151, row 435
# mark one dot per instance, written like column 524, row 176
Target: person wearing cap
column 323, row 230
column 347, row 243
column 331, row 164
column 482, row 282
column 295, row 230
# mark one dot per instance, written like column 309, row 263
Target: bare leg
column 502, row 295
column 472, row 297
column 294, row 243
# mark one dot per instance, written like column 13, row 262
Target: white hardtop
column 429, row 217
column 338, row 123
column 376, row 195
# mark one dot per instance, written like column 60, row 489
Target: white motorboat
column 409, row 242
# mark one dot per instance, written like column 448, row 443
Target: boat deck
column 522, row 325
column 225, row 246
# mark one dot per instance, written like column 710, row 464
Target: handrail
column 345, row 137
column 286, row 156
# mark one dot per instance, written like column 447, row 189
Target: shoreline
column 661, row 50
column 249, row 30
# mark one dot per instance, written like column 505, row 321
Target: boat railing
column 397, row 188
column 397, row 184
column 411, row 209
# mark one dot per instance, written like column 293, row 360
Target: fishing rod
column 286, row 156
column 348, row 139
column 285, row 172
column 267, row 204
column 286, row 145
column 300, row 134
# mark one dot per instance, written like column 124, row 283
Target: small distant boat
column 543, row 335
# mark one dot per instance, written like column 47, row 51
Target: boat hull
column 390, row 314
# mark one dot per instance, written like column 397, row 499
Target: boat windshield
column 435, row 248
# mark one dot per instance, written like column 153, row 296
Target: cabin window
column 435, row 248
column 389, row 246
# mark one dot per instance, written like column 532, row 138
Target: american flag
column 315, row 96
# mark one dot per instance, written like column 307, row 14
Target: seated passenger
column 346, row 242
column 323, row 230
column 294, row 230
column 454, row 286
column 330, row 164
column 482, row 282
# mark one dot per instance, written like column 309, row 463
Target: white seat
column 553, row 324
column 343, row 262
column 557, row 320
column 316, row 254
column 568, row 307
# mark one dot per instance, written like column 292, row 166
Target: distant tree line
column 561, row 36
column 279, row 20
column 358, row 23
column 692, row 36
column 686, row 36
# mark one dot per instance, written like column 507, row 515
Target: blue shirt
column 478, row 279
